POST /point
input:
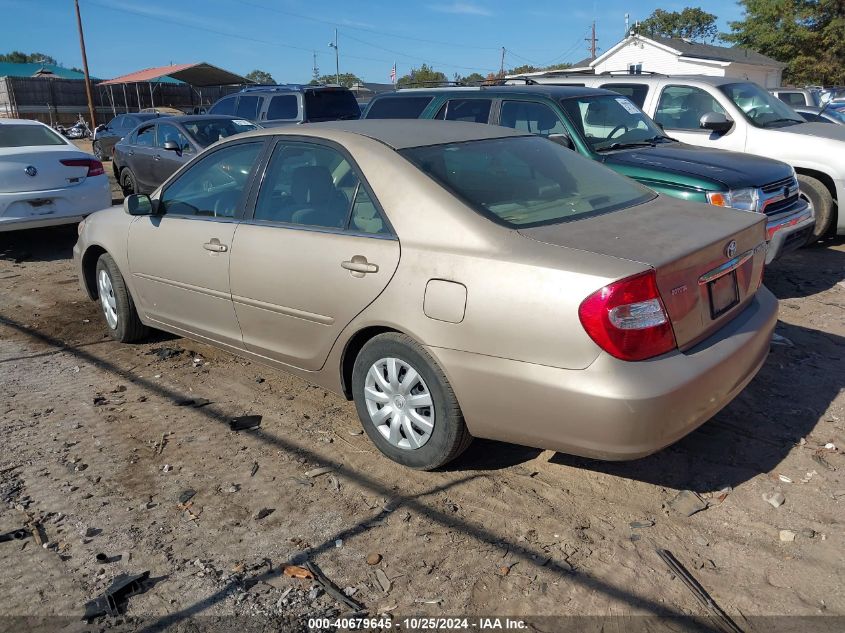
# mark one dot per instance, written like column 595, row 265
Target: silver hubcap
column 107, row 299
column 399, row 403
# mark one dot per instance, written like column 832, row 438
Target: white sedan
column 45, row 179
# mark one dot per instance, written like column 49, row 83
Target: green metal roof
column 11, row 69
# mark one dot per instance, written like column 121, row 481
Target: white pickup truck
column 739, row 115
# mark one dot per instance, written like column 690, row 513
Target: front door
column 679, row 110
column 140, row 158
column 317, row 251
column 179, row 258
column 167, row 161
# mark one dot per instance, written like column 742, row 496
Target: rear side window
column 530, row 116
column 283, row 107
column 635, row 92
column 398, row 107
column 792, row 98
column 248, row 107
column 526, row 181
column 224, row 106
column 12, row 135
column 331, row 105
column 470, row 110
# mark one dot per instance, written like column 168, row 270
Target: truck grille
column 778, row 196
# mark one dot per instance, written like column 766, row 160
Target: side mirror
column 139, row 204
column 561, row 139
column 172, row 146
column 101, row 127
column 715, row 122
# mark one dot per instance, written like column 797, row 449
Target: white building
column 673, row 56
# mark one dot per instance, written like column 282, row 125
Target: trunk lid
column 49, row 172
column 687, row 244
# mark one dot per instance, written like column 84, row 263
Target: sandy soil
column 97, row 449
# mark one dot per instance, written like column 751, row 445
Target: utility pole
column 85, row 67
column 316, row 71
column 502, row 65
column 592, row 40
column 627, row 22
column 336, row 59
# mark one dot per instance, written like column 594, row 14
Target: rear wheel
column 128, row 182
column 819, row 198
column 116, row 302
column 405, row 403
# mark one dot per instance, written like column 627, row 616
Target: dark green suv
column 608, row 127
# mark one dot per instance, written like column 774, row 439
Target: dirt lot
column 98, row 450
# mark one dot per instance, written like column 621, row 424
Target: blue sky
column 455, row 36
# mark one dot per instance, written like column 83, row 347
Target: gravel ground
column 100, row 450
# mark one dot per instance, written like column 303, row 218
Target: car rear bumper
column 787, row 232
column 613, row 409
column 33, row 209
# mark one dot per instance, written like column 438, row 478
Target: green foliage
column 18, row 57
column 346, row 79
column 472, row 78
column 691, row 23
column 260, row 77
column 563, row 66
column 521, row 70
column 807, row 35
column 424, row 75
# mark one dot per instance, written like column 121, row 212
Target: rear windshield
column 208, row 131
column 330, row 105
column 526, row 181
column 12, row 135
column 398, row 107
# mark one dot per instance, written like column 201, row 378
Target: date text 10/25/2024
column 419, row 624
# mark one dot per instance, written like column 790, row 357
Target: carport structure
column 192, row 76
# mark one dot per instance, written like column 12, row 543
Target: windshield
column 759, row 107
column 526, row 181
column 208, row 131
column 611, row 122
column 330, row 105
column 835, row 114
column 12, row 135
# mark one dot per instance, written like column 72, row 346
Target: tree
column 424, row 75
column 346, row 79
column 472, row 78
column 521, row 70
column 806, row 35
column 691, row 24
column 18, row 57
column 260, row 77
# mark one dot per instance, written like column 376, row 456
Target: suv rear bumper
column 789, row 231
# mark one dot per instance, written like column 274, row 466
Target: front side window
column 526, row 181
column 224, row 106
column 208, row 131
column 470, row 110
column 168, row 132
column 15, row 135
column 607, row 122
column 530, row 116
column 283, row 107
column 760, row 107
column 792, row 98
column 398, row 107
column 213, row 186
column 681, row 107
column 146, row 136
column 635, row 92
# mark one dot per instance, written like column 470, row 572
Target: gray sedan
column 153, row 151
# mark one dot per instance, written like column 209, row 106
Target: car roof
column 187, row 118
column 547, row 90
column 397, row 133
column 21, row 122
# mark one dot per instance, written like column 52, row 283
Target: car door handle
column 157, row 157
column 359, row 266
column 215, row 246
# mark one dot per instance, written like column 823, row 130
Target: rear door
column 317, row 251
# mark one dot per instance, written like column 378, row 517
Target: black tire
column 128, row 182
column 817, row 195
column 449, row 437
column 128, row 327
column 98, row 152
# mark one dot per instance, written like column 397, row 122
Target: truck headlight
column 743, row 199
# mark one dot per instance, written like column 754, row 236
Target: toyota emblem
column 730, row 249
column 31, row 171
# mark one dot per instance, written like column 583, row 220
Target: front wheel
column 128, row 182
column 819, row 198
column 116, row 302
column 406, row 404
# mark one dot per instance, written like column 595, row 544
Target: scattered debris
column 263, row 513
column 100, row 400
column 165, row 353
column 806, row 478
column 113, row 601
column 196, row 403
column 784, row 479
column 687, row 503
column 254, row 469
column 722, row 618
column 245, row 423
column 821, row 461
column 259, row 379
column 787, row 536
column 383, row 580
column 338, row 543
column 316, row 472
column 14, row 535
column 808, row 533
column 330, row 588
column 186, row 496
column 428, row 600
column 295, row 571
column 776, row 499
column 373, row 558
column 166, row 468
column 722, row 494
column 830, row 446
column 641, row 524
column 356, row 432
column 777, row 339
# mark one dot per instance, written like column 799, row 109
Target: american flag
column 393, row 74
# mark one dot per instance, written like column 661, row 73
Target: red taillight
column 627, row 318
column 95, row 167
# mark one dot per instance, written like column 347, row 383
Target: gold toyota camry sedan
column 455, row 280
